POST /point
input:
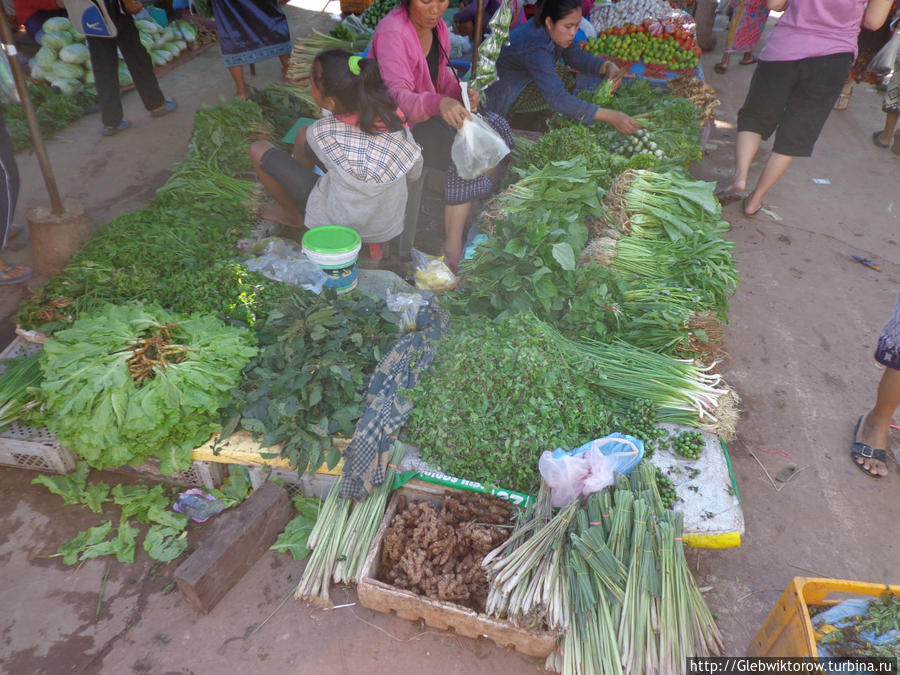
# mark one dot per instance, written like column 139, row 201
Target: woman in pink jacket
column 411, row 46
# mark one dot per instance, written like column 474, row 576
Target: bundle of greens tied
column 610, row 575
column 489, row 50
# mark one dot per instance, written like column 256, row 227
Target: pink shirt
column 812, row 28
column 396, row 48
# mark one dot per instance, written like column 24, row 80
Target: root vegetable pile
column 437, row 551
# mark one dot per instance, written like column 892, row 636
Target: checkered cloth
column 531, row 100
column 371, row 158
column 365, row 458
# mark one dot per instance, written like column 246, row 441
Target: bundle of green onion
column 20, row 375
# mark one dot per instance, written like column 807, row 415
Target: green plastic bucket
column 335, row 248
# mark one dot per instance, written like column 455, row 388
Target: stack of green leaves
column 129, row 383
column 495, row 397
column 54, row 109
column 177, row 252
column 20, row 376
column 296, row 533
column 307, row 383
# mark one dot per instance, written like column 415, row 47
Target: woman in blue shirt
column 531, row 56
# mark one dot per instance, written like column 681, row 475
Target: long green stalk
column 20, row 375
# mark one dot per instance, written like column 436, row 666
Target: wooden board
column 383, row 597
column 237, row 540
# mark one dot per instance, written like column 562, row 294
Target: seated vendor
column 364, row 147
column 531, row 56
column 411, row 45
column 33, row 13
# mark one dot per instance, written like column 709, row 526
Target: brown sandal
column 844, row 99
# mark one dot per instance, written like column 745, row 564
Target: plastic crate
column 308, row 485
column 27, row 447
column 201, row 474
column 383, row 597
column 788, row 631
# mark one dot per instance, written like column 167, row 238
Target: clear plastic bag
column 283, row 260
column 477, row 148
column 407, row 306
column 884, row 62
column 431, row 274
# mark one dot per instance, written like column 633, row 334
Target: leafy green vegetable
column 137, row 501
column 74, row 550
column 237, row 487
column 164, row 543
column 55, row 110
column 296, row 532
column 73, row 488
column 128, row 384
column 306, row 384
column 495, row 398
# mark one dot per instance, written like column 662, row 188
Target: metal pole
column 476, row 38
column 56, row 205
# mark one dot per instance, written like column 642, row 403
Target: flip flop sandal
column 720, row 69
column 727, row 197
column 744, row 208
column 170, row 105
column 867, row 452
column 750, row 62
column 112, row 131
column 876, row 139
column 19, row 278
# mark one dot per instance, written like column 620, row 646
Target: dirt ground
column 803, row 327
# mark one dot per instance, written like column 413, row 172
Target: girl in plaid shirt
column 364, row 148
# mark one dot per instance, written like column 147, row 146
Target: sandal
column 752, row 60
column 727, row 197
column 15, row 274
column 170, row 105
column 866, row 452
column 746, row 213
column 844, row 99
column 720, row 69
column 876, row 139
column 112, row 131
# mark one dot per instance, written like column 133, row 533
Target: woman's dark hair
column 554, row 10
column 364, row 93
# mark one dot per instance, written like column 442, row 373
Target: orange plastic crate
column 788, row 630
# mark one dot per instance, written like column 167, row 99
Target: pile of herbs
column 165, row 539
column 874, row 633
column 530, row 265
column 129, row 383
column 307, row 383
column 178, row 251
column 495, row 398
column 54, row 111
column 281, row 107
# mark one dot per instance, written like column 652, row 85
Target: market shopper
column 868, row 45
column 364, row 146
column 33, row 13
column 9, row 194
column 411, row 45
column 798, row 79
column 531, row 56
column 748, row 21
column 464, row 19
column 251, row 31
column 872, row 429
column 105, row 64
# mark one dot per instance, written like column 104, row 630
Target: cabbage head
column 45, row 58
column 67, row 71
column 56, row 24
column 66, row 86
column 57, row 40
column 76, row 53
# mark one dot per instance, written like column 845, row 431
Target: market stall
column 602, row 281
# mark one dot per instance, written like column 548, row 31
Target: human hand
column 619, row 120
column 474, row 98
column 453, row 112
column 609, row 70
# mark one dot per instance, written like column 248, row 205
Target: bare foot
column 875, row 436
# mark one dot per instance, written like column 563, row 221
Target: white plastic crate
column 201, row 474
column 29, row 447
column 308, row 485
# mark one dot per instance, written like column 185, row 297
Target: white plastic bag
column 884, row 62
column 407, row 306
column 283, row 260
column 477, row 148
column 565, row 475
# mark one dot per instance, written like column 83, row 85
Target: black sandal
column 867, row 452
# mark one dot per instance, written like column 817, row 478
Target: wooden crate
column 383, row 597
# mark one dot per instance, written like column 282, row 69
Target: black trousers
column 105, row 63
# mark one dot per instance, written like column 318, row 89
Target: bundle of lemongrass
column 306, row 48
column 20, row 376
column 342, row 537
